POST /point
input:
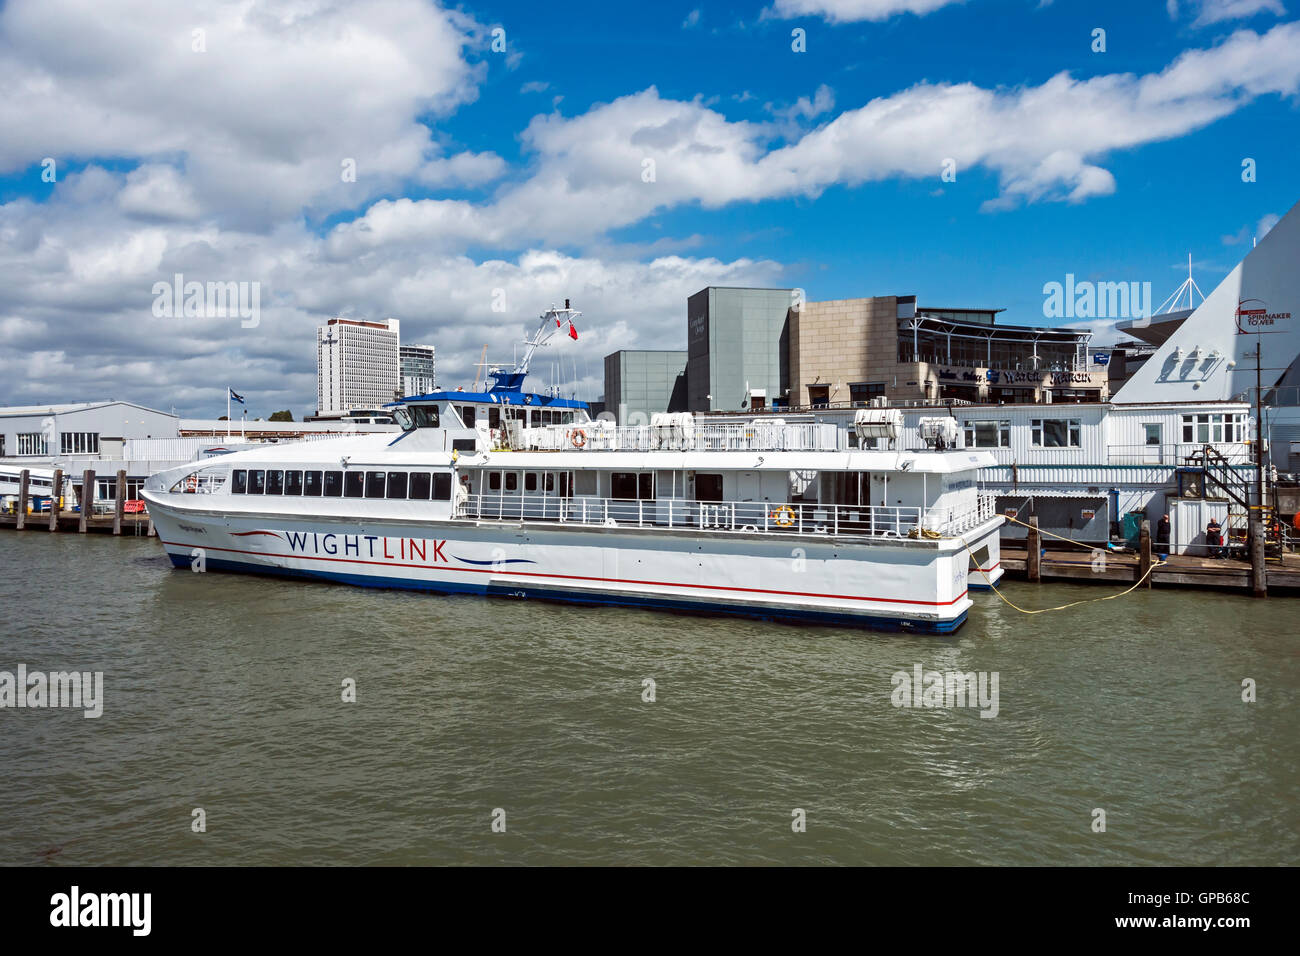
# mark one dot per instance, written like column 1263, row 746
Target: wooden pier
column 117, row 522
column 1037, row 559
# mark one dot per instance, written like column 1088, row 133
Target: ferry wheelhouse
column 517, row 494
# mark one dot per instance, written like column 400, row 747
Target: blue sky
column 522, row 170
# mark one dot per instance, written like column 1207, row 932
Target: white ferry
column 516, row 494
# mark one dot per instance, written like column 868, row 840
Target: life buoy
column 783, row 517
column 578, row 438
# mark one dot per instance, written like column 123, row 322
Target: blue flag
column 236, row 396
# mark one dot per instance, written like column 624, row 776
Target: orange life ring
column 578, row 438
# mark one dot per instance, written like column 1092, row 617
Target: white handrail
column 753, row 517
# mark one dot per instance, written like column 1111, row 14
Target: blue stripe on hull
column 583, row 597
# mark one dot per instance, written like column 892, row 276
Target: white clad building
column 357, row 364
column 419, row 369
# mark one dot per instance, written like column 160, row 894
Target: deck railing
column 757, row 436
column 752, row 517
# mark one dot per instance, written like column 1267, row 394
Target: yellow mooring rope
column 1043, row 610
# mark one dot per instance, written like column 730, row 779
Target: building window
column 33, row 443
column 1214, row 428
column 861, row 393
column 993, row 434
column 1056, row 432
column 79, row 443
column 819, row 395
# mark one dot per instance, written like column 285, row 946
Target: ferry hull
column 907, row 585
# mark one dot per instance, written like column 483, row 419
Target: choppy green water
column 223, row 692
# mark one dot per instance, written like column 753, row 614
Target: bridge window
column 311, row 483
column 420, row 485
column 239, row 482
column 397, row 484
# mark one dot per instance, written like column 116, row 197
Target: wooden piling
column 120, row 501
column 56, row 492
column 1258, row 570
column 1144, row 553
column 87, row 499
column 1033, row 552
column 22, row 499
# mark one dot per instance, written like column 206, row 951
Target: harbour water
column 223, row 692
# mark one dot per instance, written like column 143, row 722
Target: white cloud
column 535, row 86
column 852, row 11
column 692, row 20
column 285, row 91
column 1045, row 143
column 1219, row 11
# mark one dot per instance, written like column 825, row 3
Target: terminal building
column 851, row 351
column 758, row 349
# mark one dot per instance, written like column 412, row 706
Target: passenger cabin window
column 333, row 484
column 420, row 485
column 239, row 482
column 354, row 484
column 530, row 481
column 512, row 481
column 397, row 484
column 311, row 483
column 275, row 482
column 708, row 487
column 375, row 484
column 494, row 481
column 442, row 486
column 256, row 482
column 632, row 485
